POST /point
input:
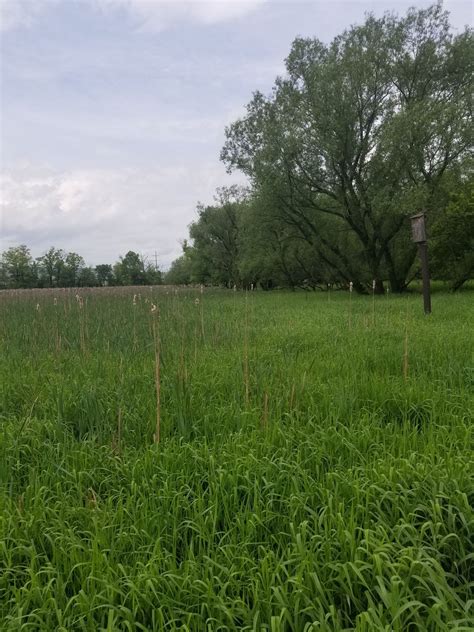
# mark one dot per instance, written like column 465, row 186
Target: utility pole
column 156, row 261
column 418, row 230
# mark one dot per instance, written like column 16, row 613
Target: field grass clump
column 314, row 469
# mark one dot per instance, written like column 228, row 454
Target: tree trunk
column 379, row 287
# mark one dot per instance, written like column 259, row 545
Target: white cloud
column 18, row 13
column 154, row 15
column 158, row 15
column 104, row 213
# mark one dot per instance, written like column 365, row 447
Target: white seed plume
column 351, row 285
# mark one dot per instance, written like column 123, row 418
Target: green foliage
column 130, row 270
column 74, row 270
column 56, row 268
column 453, row 238
column 17, row 268
column 356, row 137
column 51, row 267
column 337, row 496
column 180, row 271
column 214, row 256
column 86, row 277
column 104, row 274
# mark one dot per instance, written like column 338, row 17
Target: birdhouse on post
column 418, row 232
column 418, row 228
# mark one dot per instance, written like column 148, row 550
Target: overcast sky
column 113, row 111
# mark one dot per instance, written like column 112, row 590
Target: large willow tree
column 359, row 135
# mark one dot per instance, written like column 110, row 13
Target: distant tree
column 18, row 269
column 214, row 253
column 51, row 266
column 73, row 265
column 4, row 279
column 130, row 270
column 179, row 272
column 153, row 275
column 104, row 274
column 56, row 268
column 87, row 277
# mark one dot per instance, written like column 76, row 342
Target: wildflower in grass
column 153, row 308
column 134, row 299
column 37, row 307
column 55, row 301
column 351, row 285
column 196, row 301
column 373, row 285
column 202, row 288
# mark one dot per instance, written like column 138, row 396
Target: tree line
column 57, row 268
column 356, row 137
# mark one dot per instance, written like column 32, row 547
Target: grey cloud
column 104, row 213
column 151, row 15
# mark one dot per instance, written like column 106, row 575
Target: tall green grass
column 314, row 469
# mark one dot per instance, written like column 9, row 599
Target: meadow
column 172, row 459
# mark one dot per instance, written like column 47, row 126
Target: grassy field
column 309, row 465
